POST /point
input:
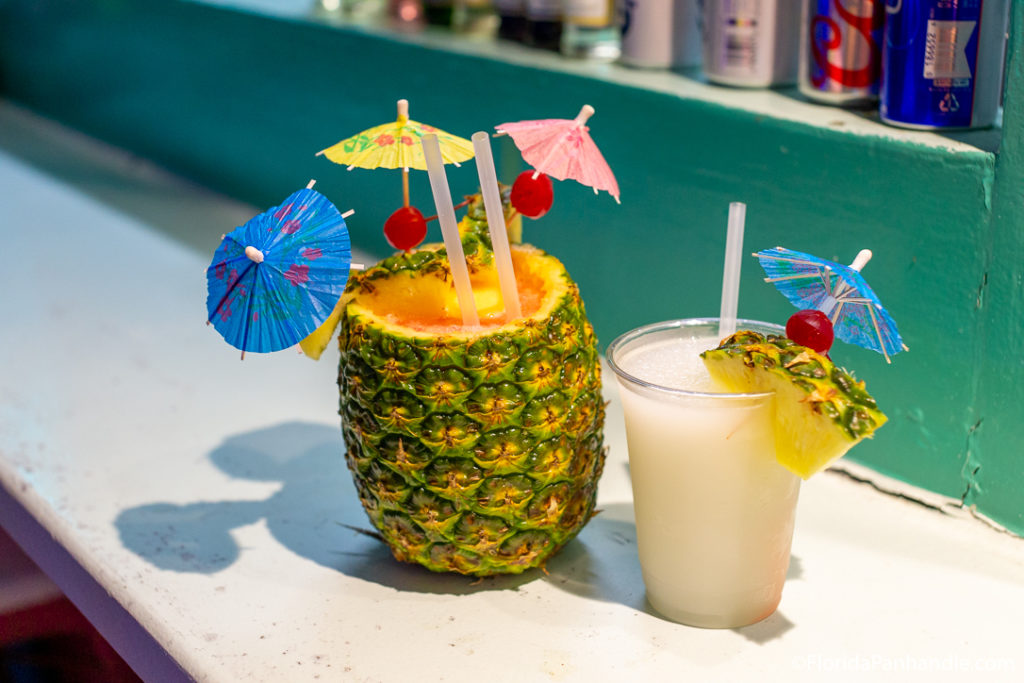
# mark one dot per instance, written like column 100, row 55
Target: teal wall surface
column 241, row 102
column 994, row 464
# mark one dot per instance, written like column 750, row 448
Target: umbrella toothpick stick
column 861, row 260
column 496, row 225
column 450, row 230
column 403, row 115
column 863, row 256
column 254, row 254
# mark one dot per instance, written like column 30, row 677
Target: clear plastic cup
column 714, row 510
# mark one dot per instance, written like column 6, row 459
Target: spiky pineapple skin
column 831, row 395
column 472, row 454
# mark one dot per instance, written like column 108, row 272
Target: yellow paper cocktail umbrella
column 397, row 145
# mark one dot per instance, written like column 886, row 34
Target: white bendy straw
column 731, row 274
column 450, row 229
column 496, row 224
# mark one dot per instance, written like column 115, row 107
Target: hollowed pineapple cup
column 477, row 450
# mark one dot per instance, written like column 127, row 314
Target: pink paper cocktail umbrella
column 563, row 148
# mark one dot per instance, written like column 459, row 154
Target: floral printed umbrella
column 563, row 148
column 275, row 279
column 397, row 145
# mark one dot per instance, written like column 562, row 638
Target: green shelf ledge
column 240, row 96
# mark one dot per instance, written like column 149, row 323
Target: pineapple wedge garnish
column 821, row 411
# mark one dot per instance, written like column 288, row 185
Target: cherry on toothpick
column 405, row 228
column 811, row 328
column 531, row 196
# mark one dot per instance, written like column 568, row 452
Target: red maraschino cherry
column 531, row 196
column 405, row 228
column 811, row 328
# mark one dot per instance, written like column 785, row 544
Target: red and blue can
column 943, row 63
column 841, row 51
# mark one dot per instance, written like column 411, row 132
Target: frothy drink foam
column 673, row 363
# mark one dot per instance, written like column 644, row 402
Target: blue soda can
column 943, row 62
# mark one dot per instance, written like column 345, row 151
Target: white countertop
column 209, row 497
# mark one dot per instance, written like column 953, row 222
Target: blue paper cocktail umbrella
column 275, row 279
column 838, row 291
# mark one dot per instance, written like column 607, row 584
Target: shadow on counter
column 317, row 515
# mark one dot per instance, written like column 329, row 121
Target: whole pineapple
column 475, row 451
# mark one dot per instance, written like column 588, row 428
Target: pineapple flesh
column 475, row 234
column 474, row 450
column 821, row 411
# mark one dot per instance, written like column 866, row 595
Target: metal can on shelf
column 841, row 51
column 750, row 43
column 660, row 33
column 943, row 62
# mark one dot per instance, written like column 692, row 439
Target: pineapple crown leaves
column 476, row 212
column 433, row 260
column 423, row 262
column 475, row 221
column 478, row 250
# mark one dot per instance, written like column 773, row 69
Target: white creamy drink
column 714, row 510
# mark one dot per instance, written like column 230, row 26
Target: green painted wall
column 994, row 467
column 241, row 102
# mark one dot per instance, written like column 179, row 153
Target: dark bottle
column 544, row 24
column 513, row 19
column 438, row 12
